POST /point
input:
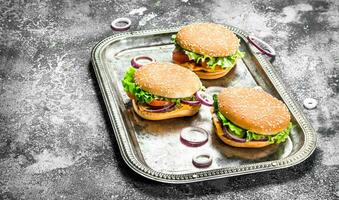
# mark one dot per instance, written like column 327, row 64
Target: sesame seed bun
column 247, row 144
column 183, row 111
column 167, row 80
column 254, row 110
column 208, row 39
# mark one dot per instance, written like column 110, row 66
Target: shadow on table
column 238, row 183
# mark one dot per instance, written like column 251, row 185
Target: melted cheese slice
column 193, row 67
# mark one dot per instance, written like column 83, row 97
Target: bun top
column 167, row 80
column 208, row 39
column 254, row 110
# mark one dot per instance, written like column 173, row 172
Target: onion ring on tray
column 193, row 136
column 204, row 98
column 258, row 43
column 136, row 64
column 202, row 160
column 125, row 20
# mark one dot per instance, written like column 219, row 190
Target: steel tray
column 153, row 149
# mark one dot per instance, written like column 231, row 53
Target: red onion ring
column 202, row 160
column 167, row 108
column 115, row 26
column 204, row 98
column 136, row 64
column 191, row 103
column 270, row 51
column 231, row 136
column 195, row 141
column 235, row 138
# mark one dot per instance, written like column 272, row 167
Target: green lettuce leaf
column 249, row 135
column 224, row 62
column 141, row 95
column 215, row 103
column 131, row 87
column 277, row 138
column 234, row 129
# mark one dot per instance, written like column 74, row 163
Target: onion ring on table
column 267, row 49
column 310, row 103
column 125, row 20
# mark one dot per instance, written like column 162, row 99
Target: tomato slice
column 156, row 103
column 130, row 95
column 159, row 103
column 179, row 56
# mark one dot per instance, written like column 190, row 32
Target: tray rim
column 129, row 155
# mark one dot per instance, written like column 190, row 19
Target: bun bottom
column 184, row 111
column 250, row 144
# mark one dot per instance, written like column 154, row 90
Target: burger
column 162, row 91
column 210, row 50
column 250, row 118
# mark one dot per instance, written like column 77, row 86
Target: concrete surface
column 56, row 141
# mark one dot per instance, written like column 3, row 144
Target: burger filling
column 197, row 62
column 247, row 134
column 148, row 100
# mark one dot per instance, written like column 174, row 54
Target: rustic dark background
column 56, row 141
